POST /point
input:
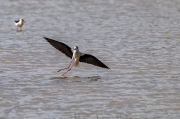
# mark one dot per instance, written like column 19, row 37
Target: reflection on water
column 137, row 39
column 95, row 78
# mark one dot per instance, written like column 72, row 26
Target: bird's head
column 76, row 48
column 22, row 19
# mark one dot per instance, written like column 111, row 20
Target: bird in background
column 75, row 55
column 19, row 23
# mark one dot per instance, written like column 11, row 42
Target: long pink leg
column 66, row 67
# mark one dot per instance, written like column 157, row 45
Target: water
column 138, row 39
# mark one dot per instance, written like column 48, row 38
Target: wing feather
column 61, row 47
column 87, row 58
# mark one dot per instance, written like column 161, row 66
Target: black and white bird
column 75, row 55
column 19, row 23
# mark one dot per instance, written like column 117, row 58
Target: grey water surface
column 138, row 39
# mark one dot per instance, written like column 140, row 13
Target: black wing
column 61, row 47
column 16, row 21
column 92, row 60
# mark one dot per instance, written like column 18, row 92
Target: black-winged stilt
column 75, row 55
column 19, row 23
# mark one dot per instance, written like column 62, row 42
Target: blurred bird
column 19, row 23
column 75, row 55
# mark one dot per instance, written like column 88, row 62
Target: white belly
column 19, row 24
column 76, row 62
column 76, row 56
